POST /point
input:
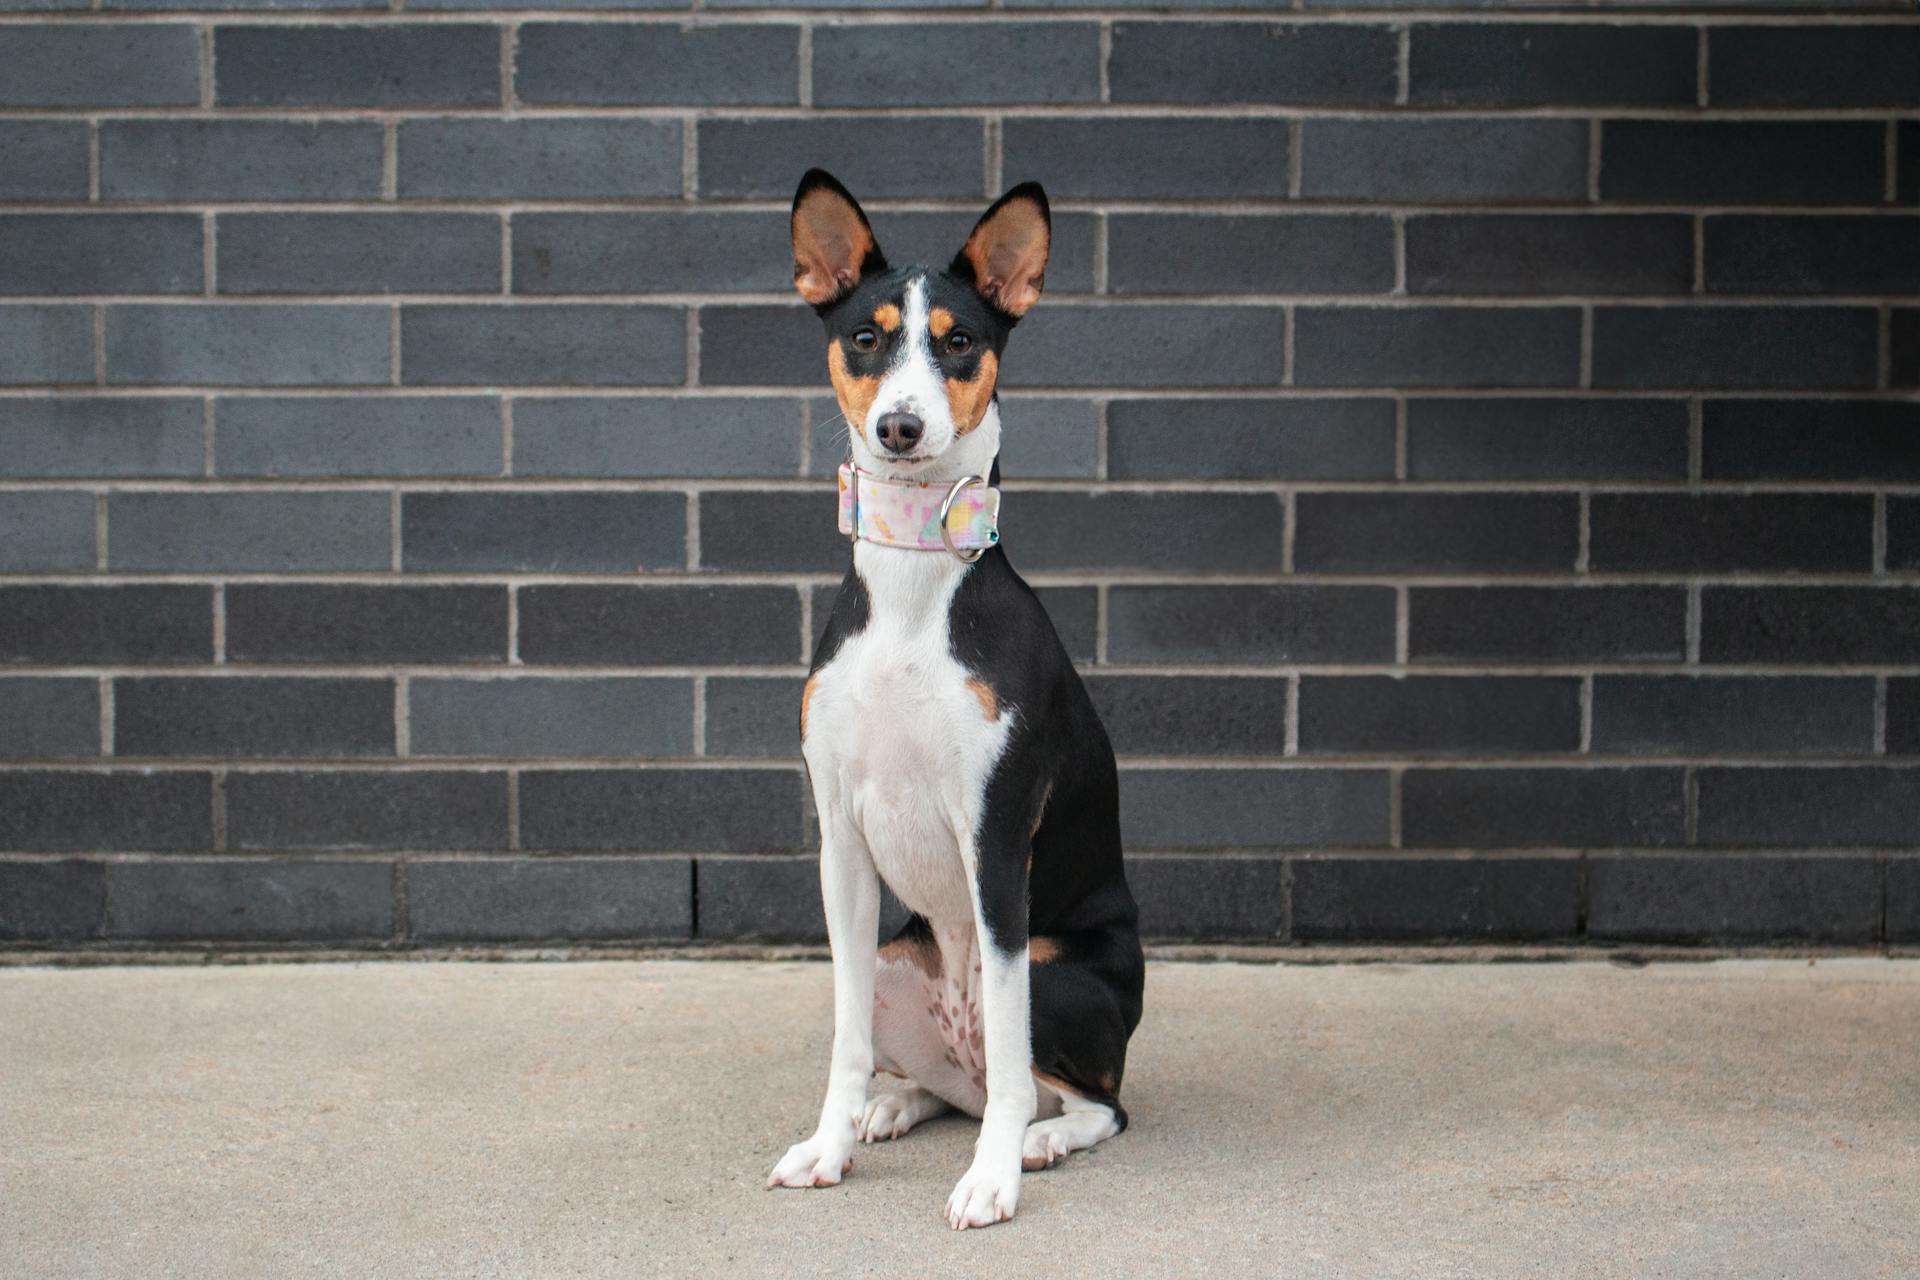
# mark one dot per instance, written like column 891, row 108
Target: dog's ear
column 1006, row 256
column 833, row 247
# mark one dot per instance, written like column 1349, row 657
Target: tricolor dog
column 952, row 750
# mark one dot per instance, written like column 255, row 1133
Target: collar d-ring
column 946, row 534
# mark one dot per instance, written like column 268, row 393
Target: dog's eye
column 959, row 342
column 865, row 339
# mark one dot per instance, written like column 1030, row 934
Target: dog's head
column 914, row 353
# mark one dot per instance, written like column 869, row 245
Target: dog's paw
column 1042, row 1147
column 983, row 1197
column 889, row 1115
column 813, row 1163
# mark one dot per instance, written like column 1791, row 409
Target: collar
column 908, row 513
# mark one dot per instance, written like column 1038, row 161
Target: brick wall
column 1475, row 453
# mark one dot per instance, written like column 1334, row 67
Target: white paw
column 887, row 1116
column 1042, row 1147
column 983, row 1197
column 813, row 1163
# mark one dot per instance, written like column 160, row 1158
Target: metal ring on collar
column 946, row 534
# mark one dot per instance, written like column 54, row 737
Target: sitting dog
column 952, row 749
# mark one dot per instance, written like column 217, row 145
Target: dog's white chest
column 900, row 744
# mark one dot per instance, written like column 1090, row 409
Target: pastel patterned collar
column 908, row 513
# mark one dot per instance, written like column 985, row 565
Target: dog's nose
column 899, row 432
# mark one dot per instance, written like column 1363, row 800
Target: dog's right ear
column 833, row 247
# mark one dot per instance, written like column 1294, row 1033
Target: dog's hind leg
column 891, row 1115
column 1082, row 1122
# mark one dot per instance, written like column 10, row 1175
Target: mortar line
column 689, row 157
column 806, row 625
column 513, row 809
column 93, row 159
column 804, row 89
column 1400, row 438
column 1402, row 624
column 1701, row 82
column 1586, row 714
column 1291, row 744
column 389, row 159
column 1289, row 527
column 1583, row 556
column 219, row 624
column 513, row 625
column 1106, row 60
column 402, row 717
column 509, row 36
column 693, row 530
column 204, row 31
column 218, row 809
column 1296, row 135
column 100, row 560
column 1593, row 161
column 1586, row 346
column 393, row 345
column 1288, row 323
column 692, row 375
column 700, row 715
column 105, row 688
column 1399, row 289
column 506, row 254
column 806, row 436
column 1880, row 715
column 993, row 156
column 506, row 437
column 1102, row 239
column 209, row 440
column 209, row 250
column 1101, row 616
column 1102, row 440
column 395, row 534
column 1693, row 625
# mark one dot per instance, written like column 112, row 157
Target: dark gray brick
column 1436, row 346
column 656, row 436
column 543, row 532
column 763, row 900
column 750, row 346
column 252, row 716
column 1185, row 159
column 539, row 717
column 1547, row 439
column 1438, row 715
column 1250, row 439
column 1903, row 717
column 1695, row 715
column 239, row 159
column 72, row 436
column 386, row 66
column 45, row 344
column 733, row 532
column 1735, row 347
column 1754, row 253
column 64, row 901
column 1175, row 253
column 1903, row 534
column 100, row 66
column 1806, row 65
column 1907, row 161
column 64, row 253
column 1731, row 533
column 1250, row 624
column 1550, row 254
column 1193, row 715
column 362, row 809
column 940, row 63
column 1435, row 532
column 1444, row 160
column 1163, row 532
column 875, row 156
column 1317, row 65
column 1541, row 65
column 1148, row 346
column 751, row 716
column 1808, row 807
column 1209, row 899
column 1902, row 908
column 1547, row 624
column 608, row 64
column 1252, row 808
column 62, row 625
column 1541, row 808
column 1075, row 614
column 359, row 436
column 49, row 717
column 289, row 623
column 666, row 810
column 43, row 160
column 1905, row 369
column 249, row 345
column 247, row 900
column 539, row 159
column 657, row 251
column 46, row 530
column 670, row 624
column 550, row 900
column 1732, row 899
column 58, row 812
column 1742, row 162
column 1813, row 625
column 1417, row 899
column 551, row 344
column 248, row 532
column 358, row 253
column 1811, row 440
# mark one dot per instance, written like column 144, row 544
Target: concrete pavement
column 1748, row 1118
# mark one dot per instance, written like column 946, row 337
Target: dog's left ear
column 1006, row 256
column 833, row 247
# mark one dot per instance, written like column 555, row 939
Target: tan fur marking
column 887, row 316
column 989, row 703
column 918, row 952
column 1040, row 815
column 854, row 393
column 1042, row 950
column 806, row 700
column 969, row 400
column 939, row 322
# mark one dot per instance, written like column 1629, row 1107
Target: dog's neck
column 909, row 587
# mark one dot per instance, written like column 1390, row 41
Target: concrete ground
column 1740, row 1118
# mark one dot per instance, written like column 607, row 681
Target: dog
column 951, row 747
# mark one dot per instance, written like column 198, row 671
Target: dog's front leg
column 990, row 1191
column 850, row 889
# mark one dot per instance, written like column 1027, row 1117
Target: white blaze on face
column 913, row 383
